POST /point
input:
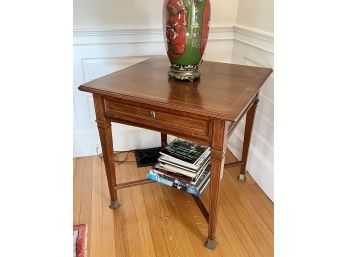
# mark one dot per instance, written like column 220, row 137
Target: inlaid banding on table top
column 222, row 92
column 157, row 117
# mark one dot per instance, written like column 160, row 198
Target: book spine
column 176, row 160
column 174, row 169
column 185, row 151
column 204, row 186
column 176, row 164
column 176, row 184
column 198, row 190
column 199, row 175
column 203, row 158
column 186, row 188
column 178, row 154
column 173, row 176
column 193, row 191
column 184, row 165
column 155, row 177
column 204, row 164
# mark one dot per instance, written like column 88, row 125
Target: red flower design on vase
column 176, row 17
column 205, row 26
column 185, row 28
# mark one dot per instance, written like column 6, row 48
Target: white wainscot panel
column 86, row 138
column 216, row 51
column 97, row 67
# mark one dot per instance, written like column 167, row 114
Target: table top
column 223, row 90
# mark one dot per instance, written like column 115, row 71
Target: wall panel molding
column 258, row 39
column 103, row 36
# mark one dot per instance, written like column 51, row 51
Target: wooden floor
column 156, row 220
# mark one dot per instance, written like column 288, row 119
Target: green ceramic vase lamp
column 186, row 28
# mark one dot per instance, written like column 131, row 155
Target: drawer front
column 147, row 116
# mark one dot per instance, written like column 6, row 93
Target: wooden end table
column 205, row 111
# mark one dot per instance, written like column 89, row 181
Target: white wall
column 139, row 13
column 256, row 14
column 107, row 38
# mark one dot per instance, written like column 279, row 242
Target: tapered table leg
column 163, row 139
column 105, row 134
column 247, row 136
column 218, row 152
column 217, row 167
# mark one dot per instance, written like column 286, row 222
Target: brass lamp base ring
column 184, row 72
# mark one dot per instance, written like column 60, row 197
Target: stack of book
column 184, row 165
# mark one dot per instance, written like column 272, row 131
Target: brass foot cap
column 241, row 178
column 114, row 205
column 210, row 244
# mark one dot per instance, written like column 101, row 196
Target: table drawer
column 158, row 118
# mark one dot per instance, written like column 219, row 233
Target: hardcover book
column 175, row 169
column 184, row 165
column 196, row 189
column 163, row 159
column 159, row 170
column 185, row 152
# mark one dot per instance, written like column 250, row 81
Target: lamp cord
column 125, row 160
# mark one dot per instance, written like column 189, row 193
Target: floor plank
column 130, row 218
column 193, row 235
column 146, row 240
column 96, row 223
column 121, row 242
column 108, row 226
column 77, row 191
column 158, row 221
column 224, row 225
column 158, row 237
column 262, row 218
column 86, row 197
column 250, row 188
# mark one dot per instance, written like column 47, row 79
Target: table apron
column 170, row 129
column 178, row 123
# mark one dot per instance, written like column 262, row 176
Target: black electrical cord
column 125, row 160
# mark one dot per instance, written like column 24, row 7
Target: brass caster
column 114, row 205
column 210, row 244
column 241, row 178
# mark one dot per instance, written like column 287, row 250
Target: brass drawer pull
column 152, row 114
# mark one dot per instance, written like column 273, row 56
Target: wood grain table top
column 223, row 91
